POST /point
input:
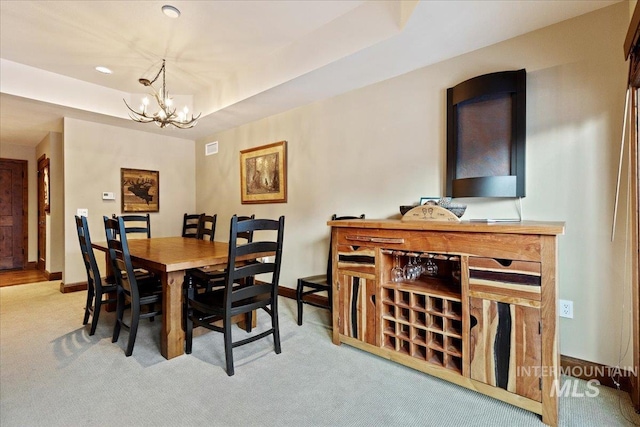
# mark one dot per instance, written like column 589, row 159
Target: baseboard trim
column 66, row 288
column 286, row 292
column 53, row 276
column 31, row 265
column 586, row 370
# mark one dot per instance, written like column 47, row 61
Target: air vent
column 211, row 148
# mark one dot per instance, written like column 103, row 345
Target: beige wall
column 51, row 147
column 373, row 149
column 21, row 152
column 93, row 156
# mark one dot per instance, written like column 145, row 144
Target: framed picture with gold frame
column 263, row 174
column 46, row 181
column 139, row 190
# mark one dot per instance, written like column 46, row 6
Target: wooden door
column 506, row 346
column 43, row 208
column 13, row 213
column 357, row 307
column 356, row 285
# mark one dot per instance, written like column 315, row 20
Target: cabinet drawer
column 369, row 237
column 520, row 279
column 359, row 260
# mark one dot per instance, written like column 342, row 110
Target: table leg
column 172, row 337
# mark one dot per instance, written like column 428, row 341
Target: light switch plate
column 82, row 212
column 106, row 195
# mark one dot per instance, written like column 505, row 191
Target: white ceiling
column 234, row 61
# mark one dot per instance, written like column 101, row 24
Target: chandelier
column 166, row 114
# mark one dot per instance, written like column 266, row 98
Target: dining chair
column 96, row 289
column 207, row 278
column 207, row 227
column 319, row 283
column 136, row 224
column 191, row 225
column 241, row 293
column 129, row 288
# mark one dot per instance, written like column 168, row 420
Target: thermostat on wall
column 108, row 196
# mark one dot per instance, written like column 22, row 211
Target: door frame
column 635, row 242
column 41, row 261
column 25, row 207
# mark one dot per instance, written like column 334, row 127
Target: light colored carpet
column 52, row 373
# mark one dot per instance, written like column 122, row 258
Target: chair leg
column 275, row 325
column 188, row 313
column 87, row 307
column 133, row 329
column 188, row 335
column 228, row 345
column 299, row 300
column 96, row 313
column 248, row 320
column 119, row 315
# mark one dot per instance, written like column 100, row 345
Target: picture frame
column 139, row 190
column 263, row 174
column 46, row 197
column 424, row 200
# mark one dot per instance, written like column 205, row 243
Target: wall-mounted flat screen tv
column 486, row 119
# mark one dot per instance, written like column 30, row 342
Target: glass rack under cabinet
column 423, row 317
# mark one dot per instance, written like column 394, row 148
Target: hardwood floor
column 19, row 277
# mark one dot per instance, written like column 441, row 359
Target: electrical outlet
column 565, row 308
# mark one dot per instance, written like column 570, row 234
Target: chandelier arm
column 139, row 120
column 167, row 110
column 143, row 114
column 187, row 125
column 159, row 100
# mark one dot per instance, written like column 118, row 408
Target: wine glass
column 420, row 267
column 397, row 274
column 431, row 267
column 410, row 270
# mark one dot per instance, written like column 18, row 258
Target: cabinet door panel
column 357, row 307
column 505, row 346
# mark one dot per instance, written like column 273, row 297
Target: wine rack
column 423, row 317
column 423, row 325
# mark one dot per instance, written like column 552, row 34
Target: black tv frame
column 512, row 185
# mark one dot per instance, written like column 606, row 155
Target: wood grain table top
column 169, row 254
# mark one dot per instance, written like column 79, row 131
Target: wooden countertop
column 523, row 227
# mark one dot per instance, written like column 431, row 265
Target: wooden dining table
column 169, row 258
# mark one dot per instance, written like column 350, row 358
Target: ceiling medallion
column 166, row 114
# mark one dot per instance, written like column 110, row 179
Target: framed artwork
column 263, row 174
column 139, row 190
column 46, row 197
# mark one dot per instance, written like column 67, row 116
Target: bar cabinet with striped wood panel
column 482, row 313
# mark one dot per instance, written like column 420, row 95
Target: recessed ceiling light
column 103, row 70
column 170, row 11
